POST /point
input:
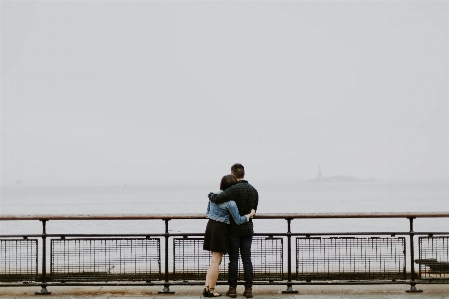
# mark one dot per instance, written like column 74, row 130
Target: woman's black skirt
column 216, row 238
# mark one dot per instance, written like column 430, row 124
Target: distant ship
column 338, row 178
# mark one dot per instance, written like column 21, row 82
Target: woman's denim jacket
column 222, row 211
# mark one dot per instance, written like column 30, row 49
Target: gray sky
column 142, row 92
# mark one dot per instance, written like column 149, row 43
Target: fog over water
column 160, row 95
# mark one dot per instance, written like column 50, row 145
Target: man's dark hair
column 227, row 181
column 238, row 171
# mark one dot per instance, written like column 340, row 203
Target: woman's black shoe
column 213, row 294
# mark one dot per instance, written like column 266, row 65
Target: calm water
column 304, row 197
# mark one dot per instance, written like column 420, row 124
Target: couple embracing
column 230, row 230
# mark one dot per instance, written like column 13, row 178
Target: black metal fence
column 350, row 258
column 18, row 260
column 133, row 259
column 106, row 259
column 191, row 261
column 433, row 257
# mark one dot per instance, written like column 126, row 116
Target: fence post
column 289, row 259
column 413, row 288
column 44, row 290
column 166, row 289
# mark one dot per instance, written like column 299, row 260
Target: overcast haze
column 144, row 92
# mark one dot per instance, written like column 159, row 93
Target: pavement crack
column 96, row 293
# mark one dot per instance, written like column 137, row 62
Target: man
column 241, row 236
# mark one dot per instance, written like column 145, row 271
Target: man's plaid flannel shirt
column 246, row 198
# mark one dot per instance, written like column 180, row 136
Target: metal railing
column 137, row 259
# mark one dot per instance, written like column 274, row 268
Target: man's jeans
column 244, row 244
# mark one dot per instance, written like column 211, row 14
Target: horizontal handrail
column 187, row 234
column 202, row 216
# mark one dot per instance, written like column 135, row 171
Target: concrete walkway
column 260, row 292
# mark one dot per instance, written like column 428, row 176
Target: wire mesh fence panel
column 18, row 260
column 191, row 261
column 350, row 258
column 130, row 259
column 267, row 258
column 433, row 258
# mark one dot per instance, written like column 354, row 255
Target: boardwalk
column 261, row 292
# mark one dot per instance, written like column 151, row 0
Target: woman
column 216, row 239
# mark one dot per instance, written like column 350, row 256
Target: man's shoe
column 232, row 292
column 248, row 292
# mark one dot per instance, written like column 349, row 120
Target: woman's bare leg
column 212, row 272
column 206, row 286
